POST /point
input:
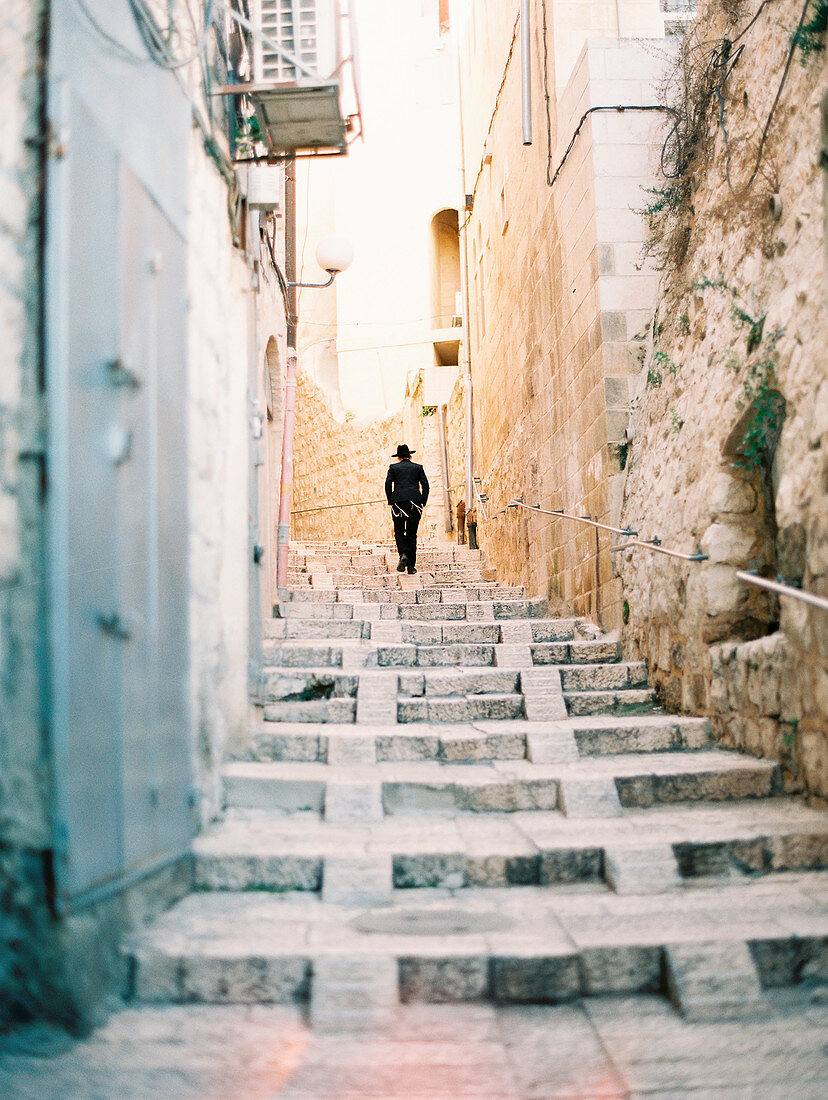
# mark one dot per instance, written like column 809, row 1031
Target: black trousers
column 406, row 517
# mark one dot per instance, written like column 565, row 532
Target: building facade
column 559, row 298
column 144, row 343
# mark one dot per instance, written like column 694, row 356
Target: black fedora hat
column 403, row 451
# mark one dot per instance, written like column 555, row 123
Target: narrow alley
column 413, row 550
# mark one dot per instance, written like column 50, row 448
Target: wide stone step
column 400, row 788
column 487, row 740
column 434, row 656
column 302, row 656
column 459, row 708
column 529, row 944
column 603, row 677
column 253, row 850
column 304, row 685
column 317, row 629
column 440, row 653
column 622, row 701
column 315, row 710
column 459, row 681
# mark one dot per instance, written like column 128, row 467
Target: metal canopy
column 297, row 118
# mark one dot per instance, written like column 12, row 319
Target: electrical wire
column 494, row 113
column 774, row 105
column 121, row 50
column 155, row 42
column 546, row 96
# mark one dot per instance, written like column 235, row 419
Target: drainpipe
column 619, row 18
column 441, row 423
column 526, row 70
column 286, row 484
column 464, row 286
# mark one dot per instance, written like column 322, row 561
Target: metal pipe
column 286, row 480
column 464, row 287
column 784, row 590
column 526, row 71
column 286, row 485
column 441, row 423
column 619, row 17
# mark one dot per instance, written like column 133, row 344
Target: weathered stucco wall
column 558, row 299
column 219, row 464
column 339, row 463
column 739, row 341
column 25, row 979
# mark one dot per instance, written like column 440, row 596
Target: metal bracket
column 112, row 626
column 122, row 377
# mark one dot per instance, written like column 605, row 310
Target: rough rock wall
column 739, row 343
column 337, row 464
column 25, row 981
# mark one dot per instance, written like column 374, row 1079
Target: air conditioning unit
column 307, row 29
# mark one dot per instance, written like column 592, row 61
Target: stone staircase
column 453, row 796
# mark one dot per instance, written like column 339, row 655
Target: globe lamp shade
column 334, row 254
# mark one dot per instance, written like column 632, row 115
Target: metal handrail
column 566, row 515
column 328, row 507
column 480, row 497
column 655, row 545
column 783, row 589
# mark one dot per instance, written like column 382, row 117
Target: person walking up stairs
column 454, row 796
column 406, row 488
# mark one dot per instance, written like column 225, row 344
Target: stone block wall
column 456, row 417
column 559, row 300
column 339, row 463
column 738, row 347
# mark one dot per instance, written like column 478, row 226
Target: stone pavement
column 599, row 1048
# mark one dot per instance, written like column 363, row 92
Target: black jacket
column 406, row 480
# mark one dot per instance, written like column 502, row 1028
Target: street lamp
column 333, row 254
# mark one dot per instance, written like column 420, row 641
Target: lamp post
column 333, row 254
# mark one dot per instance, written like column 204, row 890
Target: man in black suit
column 406, row 488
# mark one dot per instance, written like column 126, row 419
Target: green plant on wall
column 739, row 312
column 767, row 413
column 669, row 198
column 664, row 361
column 429, row 410
column 810, row 37
column 676, row 422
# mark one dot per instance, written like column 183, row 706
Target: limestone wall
column 740, row 341
column 559, row 300
column 456, row 416
column 24, row 831
column 339, row 463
